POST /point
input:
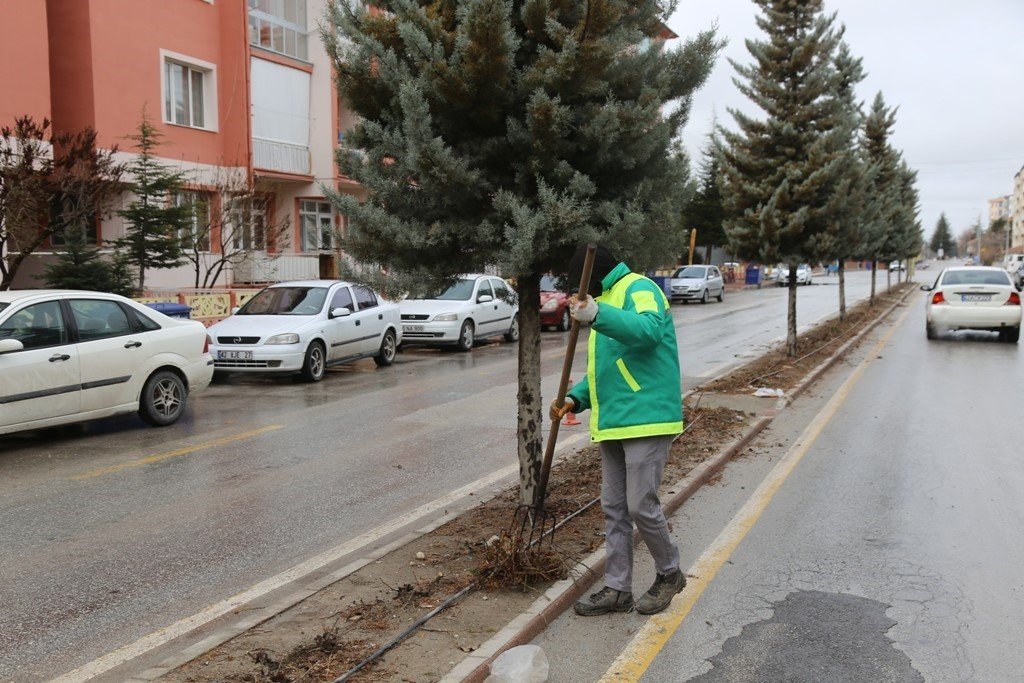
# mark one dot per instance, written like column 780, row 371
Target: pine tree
column 852, row 207
column 80, row 266
column 883, row 191
column 781, row 175
column 152, row 224
column 705, row 212
column 942, row 238
column 503, row 134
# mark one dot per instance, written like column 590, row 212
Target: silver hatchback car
column 696, row 283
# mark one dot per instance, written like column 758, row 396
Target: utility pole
column 693, row 244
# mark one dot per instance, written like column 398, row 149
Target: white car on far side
column 70, row 356
column 974, row 298
column 475, row 307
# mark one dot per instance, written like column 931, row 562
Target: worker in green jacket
column 632, row 390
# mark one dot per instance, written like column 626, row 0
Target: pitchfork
column 541, row 522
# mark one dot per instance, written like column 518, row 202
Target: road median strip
column 474, row 656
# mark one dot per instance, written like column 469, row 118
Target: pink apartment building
column 239, row 89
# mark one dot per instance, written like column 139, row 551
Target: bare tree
column 232, row 222
column 50, row 185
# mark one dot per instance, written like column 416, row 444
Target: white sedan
column 69, row 356
column 974, row 299
column 804, row 275
column 476, row 306
column 303, row 327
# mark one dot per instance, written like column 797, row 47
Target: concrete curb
column 560, row 596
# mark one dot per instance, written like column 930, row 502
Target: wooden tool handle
column 563, row 382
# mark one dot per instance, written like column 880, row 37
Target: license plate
column 234, row 355
column 975, row 297
column 413, row 328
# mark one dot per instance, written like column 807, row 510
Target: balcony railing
column 280, row 156
column 261, row 267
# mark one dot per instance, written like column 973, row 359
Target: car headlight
column 550, row 305
column 289, row 338
column 444, row 317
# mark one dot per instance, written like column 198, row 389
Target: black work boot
column 661, row 593
column 604, row 601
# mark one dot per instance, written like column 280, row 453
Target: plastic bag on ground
column 523, row 664
column 765, row 392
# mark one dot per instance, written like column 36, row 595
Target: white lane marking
column 183, row 626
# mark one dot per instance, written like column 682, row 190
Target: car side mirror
column 484, row 298
column 340, row 312
column 10, row 345
column 926, row 288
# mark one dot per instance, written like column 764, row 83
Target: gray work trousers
column 631, row 471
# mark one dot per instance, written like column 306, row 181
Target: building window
column 279, row 26
column 248, row 224
column 185, row 90
column 317, row 221
column 196, row 237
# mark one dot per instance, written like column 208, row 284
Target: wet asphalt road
column 890, row 553
column 113, row 530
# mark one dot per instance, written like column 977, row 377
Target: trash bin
column 753, row 275
column 662, row 282
column 172, row 310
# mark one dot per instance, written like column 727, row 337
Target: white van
column 1012, row 262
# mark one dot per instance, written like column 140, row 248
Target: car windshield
column 976, row 277
column 550, row 284
column 286, row 301
column 460, row 291
column 691, row 272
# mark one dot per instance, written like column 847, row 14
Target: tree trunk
column 899, row 276
column 791, row 314
column 707, row 253
column 874, row 269
column 529, row 425
column 842, row 290
column 888, row 279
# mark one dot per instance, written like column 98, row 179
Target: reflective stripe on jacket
column 632, row 386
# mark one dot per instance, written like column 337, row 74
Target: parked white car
column 70, row 356
column 976, row 298
column 475, row 307
column 804, row 276
column 897, row 266
column 696, row 283
column 303, row 327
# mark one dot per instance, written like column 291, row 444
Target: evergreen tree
column 942, row 238
column 883, row 191
column 781, row 176
column 852, row 206
column 80, row 266
column 503, row 133
column 152, row 224
column 705, row 212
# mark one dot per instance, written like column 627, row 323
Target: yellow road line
column 631, row 664
column 176, row 453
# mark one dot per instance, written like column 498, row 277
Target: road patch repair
column 337, row 627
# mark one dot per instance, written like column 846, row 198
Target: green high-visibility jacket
column 632, row 386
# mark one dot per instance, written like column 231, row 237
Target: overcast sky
column 955, row 68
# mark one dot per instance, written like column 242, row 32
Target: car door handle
column 59, row 356
column 133, row 345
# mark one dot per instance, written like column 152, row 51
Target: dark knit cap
column 604, row 263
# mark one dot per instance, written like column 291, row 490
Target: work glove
column 584, row 311
column 557, row 412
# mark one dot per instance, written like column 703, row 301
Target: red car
column 554, row 305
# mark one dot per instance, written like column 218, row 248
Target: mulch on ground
column 327, row 634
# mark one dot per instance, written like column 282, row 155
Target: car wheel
column 513, row 331
column 565, row 322
column 1010, row 335
column 388, row 349
column 163, row 399
column 721, row 295
column 466, row 338
column 704, row 297
column 929, row 331
column 315, row 364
